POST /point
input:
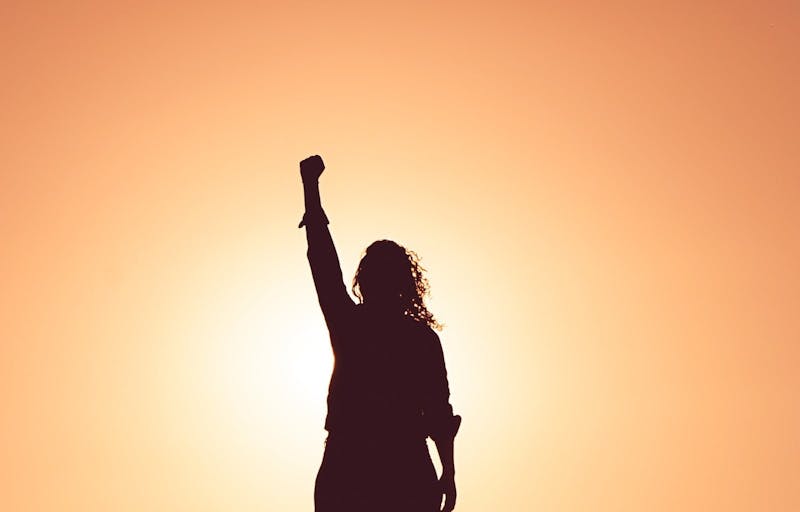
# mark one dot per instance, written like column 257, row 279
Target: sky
column 605, row 196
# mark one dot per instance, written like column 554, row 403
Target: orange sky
column 606, row 197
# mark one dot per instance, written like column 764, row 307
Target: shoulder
column 424, row 334
column 418, row 327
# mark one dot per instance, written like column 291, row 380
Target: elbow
column 445, row 429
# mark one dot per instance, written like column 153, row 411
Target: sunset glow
column 606, row 197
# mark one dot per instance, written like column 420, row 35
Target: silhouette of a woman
column 389, row 388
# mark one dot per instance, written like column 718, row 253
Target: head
column 390, row 276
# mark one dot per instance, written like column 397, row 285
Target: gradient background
column 605, row 195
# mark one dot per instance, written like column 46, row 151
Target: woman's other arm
column 443, row 424
column 322, row 257
column 444, row 445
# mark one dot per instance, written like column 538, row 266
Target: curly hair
column 391, row 273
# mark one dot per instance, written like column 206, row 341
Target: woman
column 389, row 388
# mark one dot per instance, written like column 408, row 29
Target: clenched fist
column 311, row 168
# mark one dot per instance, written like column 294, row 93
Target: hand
column 447, row 484
column 311, row 168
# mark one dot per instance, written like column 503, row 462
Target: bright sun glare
column 267, row 365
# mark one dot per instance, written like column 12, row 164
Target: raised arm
column 325, row 268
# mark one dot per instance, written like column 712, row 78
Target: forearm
column 311, row 196
column 445, row 447
column 314, row 214
column 320, row 243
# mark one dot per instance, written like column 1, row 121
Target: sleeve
column 325, row 269
column 440, row 421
